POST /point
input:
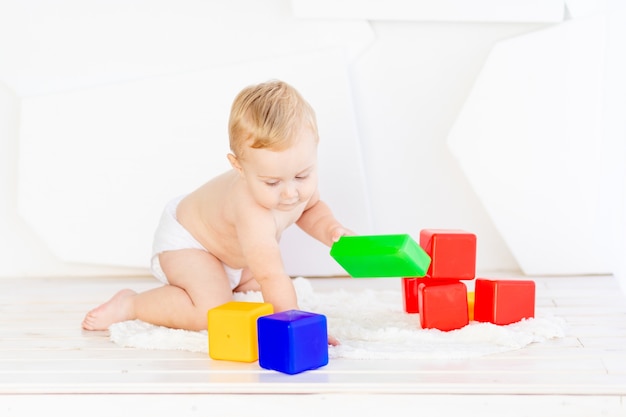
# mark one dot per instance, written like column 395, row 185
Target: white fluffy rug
column 370, row 324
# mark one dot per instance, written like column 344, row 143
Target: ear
column 234, row 162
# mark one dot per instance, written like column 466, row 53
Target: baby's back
column 207, row 213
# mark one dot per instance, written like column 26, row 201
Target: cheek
column 308, row 189
column 263, row 193
column 268, row 194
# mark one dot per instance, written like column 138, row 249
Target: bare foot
column 118, row 308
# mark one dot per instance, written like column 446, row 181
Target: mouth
column 289, row 203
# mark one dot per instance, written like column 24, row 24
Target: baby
column 224, row 236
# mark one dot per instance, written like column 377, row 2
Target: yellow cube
column 470, row 305
column 233, row 330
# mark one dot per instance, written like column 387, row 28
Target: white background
column 108, row 108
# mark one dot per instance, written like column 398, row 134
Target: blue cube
column 292, row 341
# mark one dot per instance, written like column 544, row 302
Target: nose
column 290, row 191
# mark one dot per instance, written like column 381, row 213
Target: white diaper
column 171, row 235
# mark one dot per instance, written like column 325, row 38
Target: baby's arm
column 319, row 222
column 256, row 230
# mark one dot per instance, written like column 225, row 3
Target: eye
column 302, row 177
column 272, row 183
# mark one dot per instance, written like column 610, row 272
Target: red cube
column 409, row 294
column 442, row 304
column 452, row 252
column 504, row 301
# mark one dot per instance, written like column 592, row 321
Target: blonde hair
column 268, row 116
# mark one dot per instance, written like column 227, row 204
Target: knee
column 247, row 282
column 251, row 285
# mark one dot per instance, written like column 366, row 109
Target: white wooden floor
column 48, row 364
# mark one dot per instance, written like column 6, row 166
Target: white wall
column 18, row 247
column 614, row 192
column 406, row 82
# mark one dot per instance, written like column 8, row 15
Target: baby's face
column 283, row 180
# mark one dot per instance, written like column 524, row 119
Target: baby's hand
column 333, row 341
column 339, row 231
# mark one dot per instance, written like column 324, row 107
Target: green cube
column 381, row 256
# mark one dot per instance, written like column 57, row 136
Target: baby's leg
column 198, row 282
